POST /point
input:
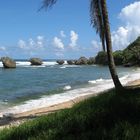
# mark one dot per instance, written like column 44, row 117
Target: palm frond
column 94, row 14
column 47, row 4
column 97, row 19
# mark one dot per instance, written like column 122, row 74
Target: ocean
column 29, row 87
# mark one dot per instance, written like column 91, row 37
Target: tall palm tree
column 98, row 7
column 100, row 21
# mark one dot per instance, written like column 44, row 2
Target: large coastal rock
column 91, row 61
column 82, row 61
column 60, row 62
column 8, row 62
column 36, row 61
column 71, row 62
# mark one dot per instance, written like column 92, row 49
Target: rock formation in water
column 60, row 62
column 8, row 62
column 81, row 61
column 36, row 61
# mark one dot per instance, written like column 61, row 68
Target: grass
column 105, row 117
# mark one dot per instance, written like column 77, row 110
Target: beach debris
column 8, row 62
column 8, row 116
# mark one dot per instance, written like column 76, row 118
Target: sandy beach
column 134, row 83
column 22, row 117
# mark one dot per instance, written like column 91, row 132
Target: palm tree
column 99, row 7
column 100, row 21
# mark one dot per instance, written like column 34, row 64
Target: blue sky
column 62, row 32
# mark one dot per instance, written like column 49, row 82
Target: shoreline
column 67, row 104
column 19, row 118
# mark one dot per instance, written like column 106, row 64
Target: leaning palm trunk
column 103, row 44
column 111, row 63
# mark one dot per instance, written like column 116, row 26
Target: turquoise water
column 28, row 82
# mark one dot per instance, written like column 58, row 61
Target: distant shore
column 22, row 117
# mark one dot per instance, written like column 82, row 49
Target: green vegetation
column 132, row 53
column 129, row 56
column 108, row 116
column 101, row 58
column 118, row 57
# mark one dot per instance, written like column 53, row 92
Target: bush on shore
column 118, row 57
column 101, row 58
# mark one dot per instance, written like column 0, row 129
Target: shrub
column 118, row 57
column 101, row 58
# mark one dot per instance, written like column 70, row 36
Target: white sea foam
column 46, row 101
column 23, row 63
column 99, row 81
column 28, row 64
column 49, row 63
column 63, row 67
column 72, row 66
column 92, row 81
column 67, row 87
column 1, row 65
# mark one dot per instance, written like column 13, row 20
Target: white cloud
column 31, row 42
column 73, row 38
column 32, row 47
column 62, row 34
column 131, row 13
column 96, row 44
column 2, row 48
column 22, row 44
column 131, row 29
column 40, row 42
column 40, row 38
column 59, row 54
column 57, row 42
column 3, row 51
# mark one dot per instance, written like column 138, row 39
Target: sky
column 63, row 32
